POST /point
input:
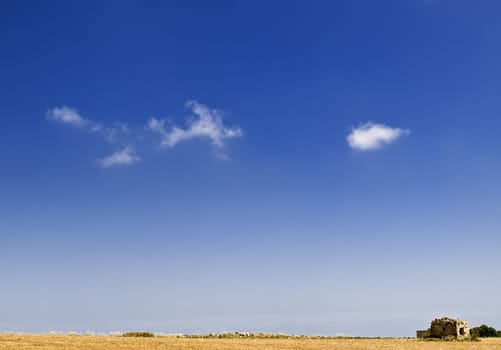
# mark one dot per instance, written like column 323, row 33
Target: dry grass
column 18, row 341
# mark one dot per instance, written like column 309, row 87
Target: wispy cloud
column 116, row 132
column 204, row 123
column 67, row 115
column 126, row 156
column 371, row 136
column 111, row 133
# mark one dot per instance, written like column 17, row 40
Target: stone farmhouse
column 446, row 327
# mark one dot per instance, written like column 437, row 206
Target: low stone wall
column 423, row 333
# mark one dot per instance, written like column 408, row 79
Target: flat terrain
column 21, row 341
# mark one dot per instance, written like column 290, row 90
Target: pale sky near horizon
column 306, row 167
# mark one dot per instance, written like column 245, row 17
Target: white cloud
column 125, row 156
column 372, row 136
column 67, row 115
column 205, row 123
column 156, row 125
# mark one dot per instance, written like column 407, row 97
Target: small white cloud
column 205, row 123
column 156, row 125
column 125, row 156
column 67, row 115
column 372, row 136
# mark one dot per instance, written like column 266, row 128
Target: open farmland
column 21, row 341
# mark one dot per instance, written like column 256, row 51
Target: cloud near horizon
column 205, row 123
column 372, row 136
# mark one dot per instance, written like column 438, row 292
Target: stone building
column 446, row 327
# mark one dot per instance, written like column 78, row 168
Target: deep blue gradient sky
column 284, row 229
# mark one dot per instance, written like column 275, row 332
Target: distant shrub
column 484, row 331
column 138, row 334
column 474, row 337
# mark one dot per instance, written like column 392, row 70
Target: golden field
column 25, row 341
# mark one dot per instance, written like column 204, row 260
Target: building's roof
column 449, row 320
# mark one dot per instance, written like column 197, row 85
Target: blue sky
column 293, row 166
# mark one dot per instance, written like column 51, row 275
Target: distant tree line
column 138, row 334
column 485, row 331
